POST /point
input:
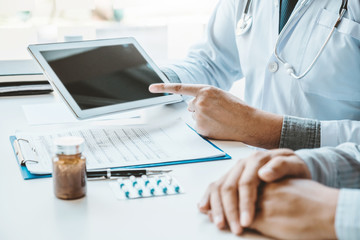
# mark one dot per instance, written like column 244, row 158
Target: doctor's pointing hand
column 221, row 115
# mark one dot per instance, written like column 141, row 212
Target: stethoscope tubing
column 289, row 68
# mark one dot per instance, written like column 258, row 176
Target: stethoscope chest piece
column 244, row 24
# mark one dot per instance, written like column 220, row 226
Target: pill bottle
column 69, row 168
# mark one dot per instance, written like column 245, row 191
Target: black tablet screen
column 102, row 76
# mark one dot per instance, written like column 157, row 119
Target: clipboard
column 27, row 175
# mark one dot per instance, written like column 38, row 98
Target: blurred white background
column 165, row 28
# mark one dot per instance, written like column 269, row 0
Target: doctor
column 301, row 63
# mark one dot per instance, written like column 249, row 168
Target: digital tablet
column 101, row 76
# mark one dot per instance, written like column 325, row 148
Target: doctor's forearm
column 273, row 131
column 261, row 129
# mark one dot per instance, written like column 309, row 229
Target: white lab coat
column 330, row 92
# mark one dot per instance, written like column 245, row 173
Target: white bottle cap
column 69, row 145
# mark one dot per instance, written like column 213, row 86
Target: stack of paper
column 120, row 146
column 22, row 77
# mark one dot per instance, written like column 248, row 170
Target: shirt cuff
column 347, row 216
column 298, row 133
column 171, row 75
column 321, row 170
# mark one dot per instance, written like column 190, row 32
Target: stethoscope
column 245, row 22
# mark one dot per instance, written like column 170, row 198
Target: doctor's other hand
column 232, row 199
column 221, row 115
column 296, row 209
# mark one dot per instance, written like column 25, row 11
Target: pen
column 108, row 173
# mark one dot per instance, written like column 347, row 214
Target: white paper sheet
column 54, row 113
column 116, row 146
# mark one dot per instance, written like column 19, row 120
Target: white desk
column 29, row 209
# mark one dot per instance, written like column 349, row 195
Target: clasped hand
column 287, row 209
column 232, row 199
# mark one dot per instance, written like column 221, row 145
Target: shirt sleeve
column 171, row 75
column 334, row 133
column 215, row 60
column 299, row 133
column 337, row 167
column 347, row 217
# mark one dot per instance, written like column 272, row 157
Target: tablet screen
column 102, row 76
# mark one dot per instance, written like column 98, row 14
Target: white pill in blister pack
column 145, row 186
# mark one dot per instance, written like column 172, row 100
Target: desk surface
column 29, row 209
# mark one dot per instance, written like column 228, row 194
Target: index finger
column 178, row 88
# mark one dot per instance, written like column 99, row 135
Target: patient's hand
column 296, row 209
column 233, row 197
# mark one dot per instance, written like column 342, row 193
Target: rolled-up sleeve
column 299, row 133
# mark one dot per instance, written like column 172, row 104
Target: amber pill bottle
column 69, row 168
